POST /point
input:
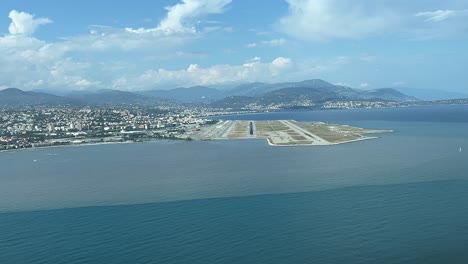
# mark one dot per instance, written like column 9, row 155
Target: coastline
column 64, row 146
column 136, row 142
column 287, row 132
column 324, row 144
column 316, row 141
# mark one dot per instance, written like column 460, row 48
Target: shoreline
column 320, row 142
column 289, row 132
column 135, row 142
column 325, row 144
column 90, row 144
column 64, row 146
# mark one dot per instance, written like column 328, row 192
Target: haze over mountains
column 195, row 94
column 315, row 91
column 264, row 93
column 114, row 97
column 430, row 95
column 12, row 97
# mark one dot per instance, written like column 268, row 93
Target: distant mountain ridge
column 259, row 88
column 387, row 94
column 114, row 97
column 12, row 97
column 310, row 91
column 432, row 95
column 314, row 90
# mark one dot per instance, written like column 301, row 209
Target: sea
column 401, row 198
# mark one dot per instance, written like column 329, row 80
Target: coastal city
column 41, row 127
column 230, row 131
column 45, row 126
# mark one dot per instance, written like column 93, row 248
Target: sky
column 62, row 45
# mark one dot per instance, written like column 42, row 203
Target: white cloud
column 275, row 42
column 218, row 28
column 343, row 84
column 252, row 45
column 441, row 15
column 178, row 14
column 175, row 55
column 34, row 72
column 29, row 63
column 193, row 68
column 281, row 62
column 24, row 23
column 120, row 83
column 280, row 69
column 252, row 62
column 12, row 43
column 364, row 85
column 107, row 38
column 84, row 83
column 174, row 30
column 322, row 20
column 252, row 70
column 268, row 43
column 327, row 19
column 439, row 24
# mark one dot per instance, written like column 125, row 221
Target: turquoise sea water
column 399, row 199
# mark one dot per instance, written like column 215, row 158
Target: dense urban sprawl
column 40, row 127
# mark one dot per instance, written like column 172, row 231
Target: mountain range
column 431, row 95
column 114, row 97
column 12, row 97
column 265, row 93
column 313, row 91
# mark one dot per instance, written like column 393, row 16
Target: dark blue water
column 412, row 114
column 399, row 199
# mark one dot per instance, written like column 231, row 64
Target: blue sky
column 143, row 44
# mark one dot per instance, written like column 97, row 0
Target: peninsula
column 284, row 132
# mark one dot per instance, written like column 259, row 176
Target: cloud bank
column 325, row 20
column 163, row 55
column 24, row 23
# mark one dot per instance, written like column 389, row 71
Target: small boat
column 460, row 150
